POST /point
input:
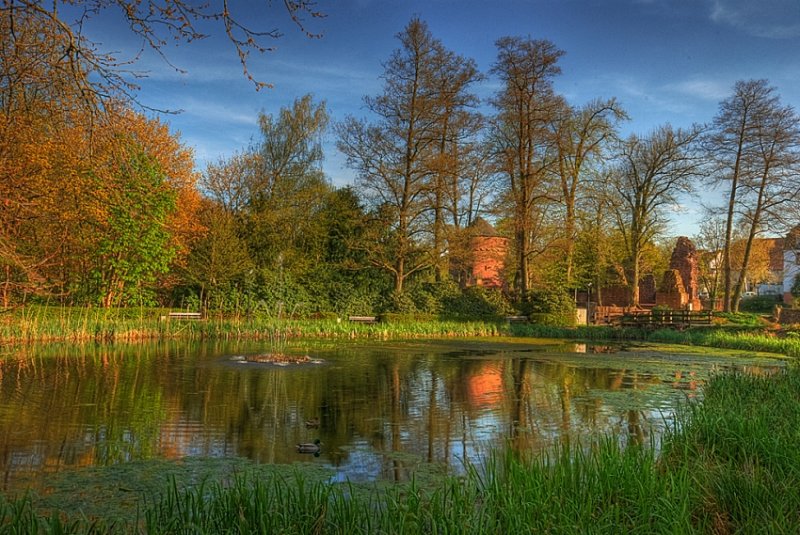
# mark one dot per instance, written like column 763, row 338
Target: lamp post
column 588, row 302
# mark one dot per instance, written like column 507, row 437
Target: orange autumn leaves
column 61, row 177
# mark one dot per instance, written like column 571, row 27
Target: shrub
column 431, row 297
column 759, row 303
column 476, row 302
column 795, row 290
column 550, row 307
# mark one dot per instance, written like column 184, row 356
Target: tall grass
column 730, row 465
column 741, row 447
column 46, row 324
column 748, row 339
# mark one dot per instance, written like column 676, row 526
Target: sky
column 665, row 61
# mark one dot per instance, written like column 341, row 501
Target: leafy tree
column 598, row 253
column 276, row 187
column 286, row 186
column 142, row 184
column 341, row 278
column 270, row 200
column 220, row 258
column 134, row 245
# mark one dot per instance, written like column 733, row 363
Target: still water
column 378, row 408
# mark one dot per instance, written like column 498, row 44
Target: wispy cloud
column 702, row 89
column 776, row 19
column 215, row 111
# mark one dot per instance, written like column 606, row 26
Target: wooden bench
column 185, row 315
column 363, row 319
column 517, row 319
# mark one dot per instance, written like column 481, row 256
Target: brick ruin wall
column 679, row 287
column 685, row 260
column 672, row 294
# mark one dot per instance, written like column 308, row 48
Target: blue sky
column 666, row 61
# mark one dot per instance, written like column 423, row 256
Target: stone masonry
column 685, row 260
column 672, row 294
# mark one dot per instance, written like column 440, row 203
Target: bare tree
column 99, row 75
column 228, row 180
column 771, row 184
column 395, row 157
column 652, row 172
column 457, row 125
column 731, row 147
column 583, row 136
column 522, row 138
column 710, row 241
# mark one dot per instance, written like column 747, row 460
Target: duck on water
column 310, row 447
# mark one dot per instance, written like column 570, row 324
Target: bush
column 759, row 304
column 476, row 302
column 550, row 306
column 795, row 290
column 431, row 297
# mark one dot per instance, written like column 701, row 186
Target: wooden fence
column 666, row 318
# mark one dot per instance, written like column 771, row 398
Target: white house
column 791, row 262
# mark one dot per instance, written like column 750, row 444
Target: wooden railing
column 666, row 318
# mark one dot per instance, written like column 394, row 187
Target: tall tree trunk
column 726, row 261
column 751, row 236
column 726, row 251
column 521, row 238
column 569, row 230
column 635, row 281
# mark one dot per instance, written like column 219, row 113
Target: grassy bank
column 730, row 466
column 51, row 324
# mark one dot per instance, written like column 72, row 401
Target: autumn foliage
column 80, row 191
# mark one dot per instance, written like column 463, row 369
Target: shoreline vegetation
column 41, row 324
column 728, row 465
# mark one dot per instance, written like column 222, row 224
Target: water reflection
column 379, row 410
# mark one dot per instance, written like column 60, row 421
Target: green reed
column 748, row 339
column 740, row 445
column 47, row 324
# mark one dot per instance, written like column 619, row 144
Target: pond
column 378, row 408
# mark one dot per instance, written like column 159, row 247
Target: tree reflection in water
column 380, row 410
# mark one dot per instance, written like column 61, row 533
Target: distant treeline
column 100, row 204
